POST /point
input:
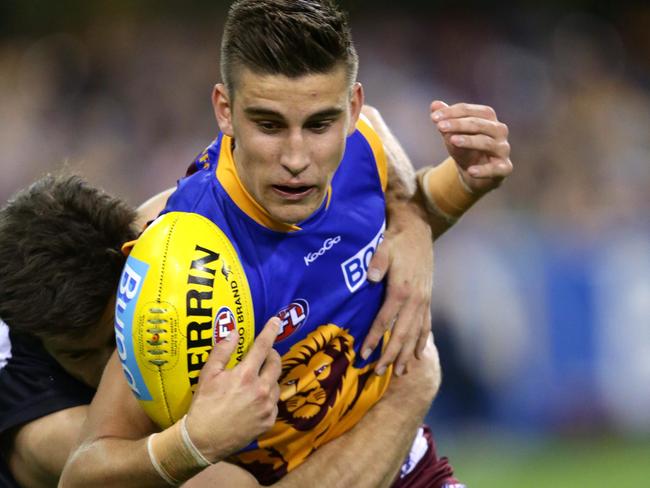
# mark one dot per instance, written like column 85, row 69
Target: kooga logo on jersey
column 327, row 245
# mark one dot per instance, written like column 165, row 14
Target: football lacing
column 157, row 352
column 156, row 340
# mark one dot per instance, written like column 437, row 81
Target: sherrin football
column 182, row 290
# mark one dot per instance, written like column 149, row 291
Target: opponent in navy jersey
column 33, row 385
column 60, row 262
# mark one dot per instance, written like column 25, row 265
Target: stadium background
column 542, row 297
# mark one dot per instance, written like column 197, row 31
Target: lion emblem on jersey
column 322, row 395
column 313, row 375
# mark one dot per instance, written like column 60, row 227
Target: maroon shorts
column 430, row 471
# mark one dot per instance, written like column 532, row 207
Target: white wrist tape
column 193, row 450
column 159, row 469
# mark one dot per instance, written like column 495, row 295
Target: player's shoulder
column 198, row 179
column 365, row 144
column 207, row 158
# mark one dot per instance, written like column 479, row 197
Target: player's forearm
column 162, row 459
column 401, row 174
column 440, row 202
column 41, row 447
column 444, row 195
column 150, row 209
column 111, row 463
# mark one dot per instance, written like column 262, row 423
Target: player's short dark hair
column 286, row 37
column 60, row 258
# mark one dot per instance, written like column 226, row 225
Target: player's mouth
column 294, row 192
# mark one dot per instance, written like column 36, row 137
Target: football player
column 293, row 166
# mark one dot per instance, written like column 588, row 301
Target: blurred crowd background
column 542, row 292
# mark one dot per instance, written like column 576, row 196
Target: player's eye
column 268, row 126
column 319, row 126
column 290, row 382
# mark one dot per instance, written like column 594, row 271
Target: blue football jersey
column 313, row 276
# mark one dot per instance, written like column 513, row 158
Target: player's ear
column 222, row 108
column 356, row 102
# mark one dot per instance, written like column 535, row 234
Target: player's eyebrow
column 265, row 112
column 262, row 112
column 328, row 113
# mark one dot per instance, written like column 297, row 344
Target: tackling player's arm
column 479, row 149
column 405, row 257
column 150, row 209
column 34, row 459
column 229, row 409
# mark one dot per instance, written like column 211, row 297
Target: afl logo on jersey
column 292, row 317
column 224, row 324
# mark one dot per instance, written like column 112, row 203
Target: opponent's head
column 60, row 262
column 289, row 99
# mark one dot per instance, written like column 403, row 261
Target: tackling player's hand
column 477, row 141
column 406, row 256
column 231, row 407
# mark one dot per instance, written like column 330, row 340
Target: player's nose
column 295, row 155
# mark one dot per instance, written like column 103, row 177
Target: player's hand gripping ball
column 182, row 290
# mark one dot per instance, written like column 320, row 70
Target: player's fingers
column 474, row 125
column 424, row 332
column 271, row 368
column 402, row 335
column 262, row 345
column 220, row 355
column 438, row 105
column 463, row 110
column 379, row 263
column 498, row 169
column 481, row 142
column 406, row 353
column 383, row 322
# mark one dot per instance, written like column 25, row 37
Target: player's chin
column 293, row 214
column 295, row 211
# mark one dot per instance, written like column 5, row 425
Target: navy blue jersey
column 33, row 385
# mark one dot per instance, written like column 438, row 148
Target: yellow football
column 182, row 290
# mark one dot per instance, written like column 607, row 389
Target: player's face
column 290, row 135
column 84, row 358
